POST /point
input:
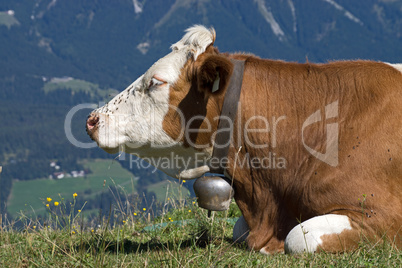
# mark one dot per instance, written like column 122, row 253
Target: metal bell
column 213, row 193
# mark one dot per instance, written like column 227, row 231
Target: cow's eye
column 156, row 82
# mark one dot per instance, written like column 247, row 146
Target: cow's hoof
column 240, row 230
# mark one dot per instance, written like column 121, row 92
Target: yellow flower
column 73, row 232
column 184, row 181
column 56, row 203
column 193, row 202
column 124, row 221
column 34, row 227
column 168, row 198
column 144, row 209
column 170, row 218
column 135, row 214
column 189, row 210
column 79, row 210
column 47, row 205
column 92, row 230
column 75, row 195
column 48, row 199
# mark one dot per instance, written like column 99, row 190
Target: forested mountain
column 105, row 45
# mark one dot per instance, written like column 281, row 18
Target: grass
column 174, row 189
column 130, row 236
column 29, row 195
column 188, row 238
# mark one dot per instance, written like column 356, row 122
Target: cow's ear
column 213, row 72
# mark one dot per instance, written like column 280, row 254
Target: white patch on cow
column 240, row 230
column 263, row 251
column 306, row 237
column 197, row 39
column 133, row 120
column 397, row 66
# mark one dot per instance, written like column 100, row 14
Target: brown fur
column 367, row 183
column 192, row 96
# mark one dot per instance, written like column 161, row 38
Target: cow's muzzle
column 92, row 124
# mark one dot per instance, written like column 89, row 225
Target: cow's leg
column 330, row 233
column 240, row 230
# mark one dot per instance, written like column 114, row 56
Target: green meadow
column 181, row 237
column 29, row 196
column 77, row 85
column 169, row 188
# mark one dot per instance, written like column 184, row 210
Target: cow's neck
column 228, row 115
column 227, row 122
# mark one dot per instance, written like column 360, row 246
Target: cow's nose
column 92, row 121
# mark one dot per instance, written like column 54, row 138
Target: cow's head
column 171, row 110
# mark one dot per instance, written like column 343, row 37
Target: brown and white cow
column 316, row 152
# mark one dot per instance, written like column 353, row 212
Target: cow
column 315, row 149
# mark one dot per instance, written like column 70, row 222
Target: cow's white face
column 133, row 121
column 133, row 118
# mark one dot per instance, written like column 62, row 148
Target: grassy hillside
column 76, row 85
column 29, row 195
column 181, row 237
column 171, row 188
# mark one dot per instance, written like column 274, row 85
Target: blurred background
column 56, row 54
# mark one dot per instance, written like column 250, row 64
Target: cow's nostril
column 92, row 121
